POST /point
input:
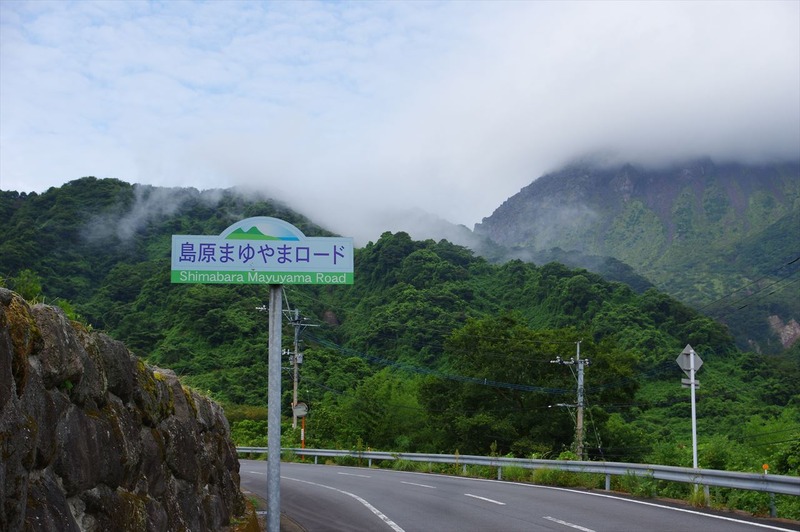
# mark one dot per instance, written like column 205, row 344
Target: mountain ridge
column 680, row 227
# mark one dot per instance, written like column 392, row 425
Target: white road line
column 354, row 475
column 683, row 510
column 573, row 525
column 485, row 499
column 634, row 501
column 256, row 473
column 371, row 508
column 420, row 485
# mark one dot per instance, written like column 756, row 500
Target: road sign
column 687, row 382
column 684, row 360
column 300, row 409
column 262, row 250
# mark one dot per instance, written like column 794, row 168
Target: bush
column 640, row 486
column 404, row 465
column 558, row 477
column 249, row 433
column 516, row 474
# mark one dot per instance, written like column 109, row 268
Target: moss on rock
column 77, row 456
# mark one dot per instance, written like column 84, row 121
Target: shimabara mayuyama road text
column 194, row 276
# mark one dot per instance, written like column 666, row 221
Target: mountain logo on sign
column 262, row 228
column 252, row 234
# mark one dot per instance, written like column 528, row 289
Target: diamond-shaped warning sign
column 684, row 360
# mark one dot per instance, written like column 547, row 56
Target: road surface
column 333, row 498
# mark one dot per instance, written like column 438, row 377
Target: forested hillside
column 724, row 238
column 432, row 349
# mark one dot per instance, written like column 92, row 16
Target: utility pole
column 579, row 419
column 298, row 324
column 579, row 423
column 295, row 362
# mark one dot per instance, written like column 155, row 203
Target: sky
column 357, row 114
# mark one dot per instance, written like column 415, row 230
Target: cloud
column 350, row 111
column 149, row 204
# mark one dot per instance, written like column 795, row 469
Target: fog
column 359, row 115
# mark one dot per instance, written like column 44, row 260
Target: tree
column 502, row 385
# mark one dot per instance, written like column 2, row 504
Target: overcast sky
column 350, row 109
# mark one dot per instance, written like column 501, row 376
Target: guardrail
column 782, row 484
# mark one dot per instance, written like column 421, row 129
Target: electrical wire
column 439, row 374
column 733, row 309
column 750, row 283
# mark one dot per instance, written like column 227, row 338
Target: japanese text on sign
column 209, row 252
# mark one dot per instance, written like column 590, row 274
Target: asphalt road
column 334, row 498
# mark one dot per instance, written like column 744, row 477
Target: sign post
column 274, row 411
column 268, row 251
column 690, row 362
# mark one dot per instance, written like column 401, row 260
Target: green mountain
column 723, row 238
column 433, row 348
column 251, row 234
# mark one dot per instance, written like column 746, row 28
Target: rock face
column 93, row 439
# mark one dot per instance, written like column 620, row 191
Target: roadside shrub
column 404, row 465
column 516, row 474
column 555, row 477
column 640, row 486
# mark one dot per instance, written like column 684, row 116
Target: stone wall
column 93, row 439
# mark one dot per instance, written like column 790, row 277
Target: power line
column 750, row 284
column 732, row 310
column 440, row 374
column 761, row 434
column 773, row 442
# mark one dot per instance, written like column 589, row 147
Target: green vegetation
column 433, row 349
column 724, row 239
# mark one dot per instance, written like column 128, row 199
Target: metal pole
column 694, row 411
column 274, row 412
column 296, row 353
column 579, row 421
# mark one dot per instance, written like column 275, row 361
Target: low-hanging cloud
column 349, row 111
column 149, row 204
